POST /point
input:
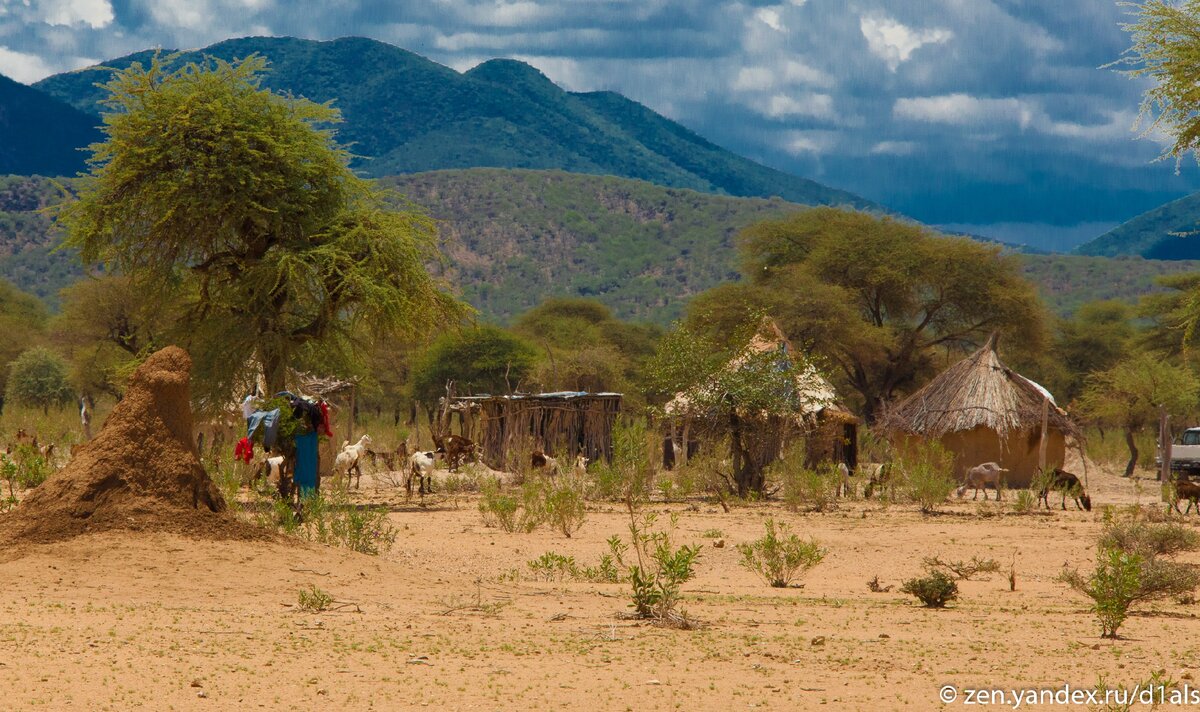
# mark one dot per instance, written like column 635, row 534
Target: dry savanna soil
column 153, row 619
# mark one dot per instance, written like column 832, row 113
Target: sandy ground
column 120, row 621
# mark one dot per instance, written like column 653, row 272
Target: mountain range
column 40, row 134
column 403, row 113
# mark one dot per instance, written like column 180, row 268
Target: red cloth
column 325, row 419
column 244, row 450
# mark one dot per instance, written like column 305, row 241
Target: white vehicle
column 1185, row 455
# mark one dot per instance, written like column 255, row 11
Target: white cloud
column 96, row 14
column 817, row 106
column 206, row 15
column 894, row 148
column 809, row 142
column 792, row 72
column 1120, row 125
column 25, row 68
column 964, row 109
column 770, row 17
column 893, row 42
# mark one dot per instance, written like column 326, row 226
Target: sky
column 988, row 116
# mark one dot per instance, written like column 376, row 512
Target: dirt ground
column 135, row 621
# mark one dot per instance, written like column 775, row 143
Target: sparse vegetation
column 934, row 590
column 962, row 570
column 314, row 600
column 1133, row 565
column 779, row 556
column 925, row 477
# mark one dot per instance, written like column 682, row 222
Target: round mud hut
column 982, row 411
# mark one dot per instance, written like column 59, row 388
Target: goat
column 880, row 477
column 539, row 460
column 455, row 449
column 845, row 486
column 350, row 458
column 420, row 465
column 399, row 456
column 980, row 477
column 1186, row 489
column 272, row 468
column 1068, row 483
column 581, row 463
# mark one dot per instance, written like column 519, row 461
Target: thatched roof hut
column 982, row 410
column 831, row 427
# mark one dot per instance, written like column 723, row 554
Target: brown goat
column 1067, row 483
column 1186, row 489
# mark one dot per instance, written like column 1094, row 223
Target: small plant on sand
column 925, row 476
column 934, row 590
column 874, row 586
column 656, row 572
column 552, row 566
column 562, row 505
column 314, row 600
column 1024, row 503
column 1133, row 564
column 780, row 556
column 499, row 508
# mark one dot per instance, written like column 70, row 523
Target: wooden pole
column 1164, row 445
column 1045, row 432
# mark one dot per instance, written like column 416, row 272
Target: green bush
column 499, row 508
column 38, row 378
column 934, row 590
column 656, row 573
column 314, row 599
column 1132, row 565
column 780, row 556
column 925, row 476
column 562, row 505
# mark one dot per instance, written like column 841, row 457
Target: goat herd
column 454, row 450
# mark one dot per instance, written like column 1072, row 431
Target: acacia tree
column 879, row 298
column 485, row 359
column 1129, row 395
column 751, row 396
column 238, row 203
column 22, row 319
column 38, row 378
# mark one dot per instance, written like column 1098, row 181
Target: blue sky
column 993, row 116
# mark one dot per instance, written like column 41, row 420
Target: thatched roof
column 816, row 394
column 978, row 391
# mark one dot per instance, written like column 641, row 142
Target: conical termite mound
column 141, row 472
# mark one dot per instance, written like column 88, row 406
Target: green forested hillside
column 404, row 114
column 40, row 134
column 1169, row 232
column 513, row 238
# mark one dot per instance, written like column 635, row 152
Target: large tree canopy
column 22, row 319
column 880, row 298
column 239, row 203
column 480, row 360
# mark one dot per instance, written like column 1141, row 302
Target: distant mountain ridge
column 1169, row 232
column 406, row 114
column 40, row 134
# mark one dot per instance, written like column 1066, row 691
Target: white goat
column 350, row 458
column 845, row 486
column 981, row 477
column 581, row 463
column 539, row 460
column 420, row 465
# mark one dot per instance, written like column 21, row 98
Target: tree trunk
column 747, row 470
column 1133, row 452
column 274, row 371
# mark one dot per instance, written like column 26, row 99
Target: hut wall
column 832, row 440
column 1018, row 453
column 563, row 427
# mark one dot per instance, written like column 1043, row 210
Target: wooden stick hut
column 983, row 411
column 562, row 424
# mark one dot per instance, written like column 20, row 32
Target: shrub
column 630, row 474
column 333, row 520
column 780, row 556
column 551, row 566
column 925, row 476
column 1133, row 565
column 657, row 572
column 1025, row 502
column 934, row 590
column 1113, row 587
column 499, row 508
column 314, row 599
column 962, row 570
column 805, row 488
column 562, row 505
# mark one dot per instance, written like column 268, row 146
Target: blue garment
column 305, row 475
column 269, row 421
